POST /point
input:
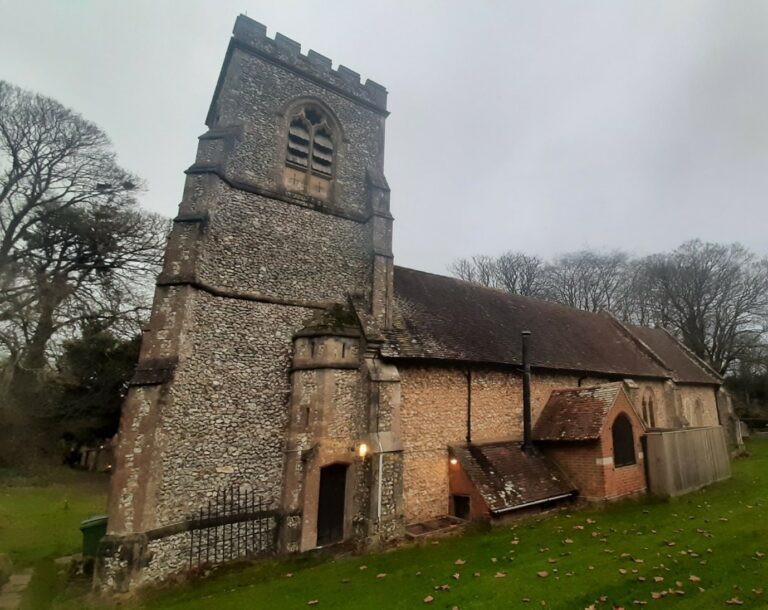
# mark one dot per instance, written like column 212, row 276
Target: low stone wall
column 680, row 461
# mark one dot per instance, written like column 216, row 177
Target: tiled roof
column 444, row 318
column 685, row 367
column 576, row 414
column 507, row 477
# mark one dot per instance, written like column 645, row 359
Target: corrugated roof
column 507, row 477
column 576, row 414
column 444, row 318
column 685, row 367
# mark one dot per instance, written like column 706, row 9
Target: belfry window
column 623, row 442
column 309, row 153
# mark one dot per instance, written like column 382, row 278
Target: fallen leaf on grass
column 459, row 562
column 429, row 599
column 456, row 576
column 500, row 575
column 313, row 602
column 734, row 601
column 382, row 575
column 693, row 578
column 658, row 579
column 542, row 574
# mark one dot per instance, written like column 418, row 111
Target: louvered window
column 310, row 153
column 623, row 442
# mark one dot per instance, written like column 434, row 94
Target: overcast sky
column 536, row 126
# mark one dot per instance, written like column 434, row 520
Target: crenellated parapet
column 251, row 36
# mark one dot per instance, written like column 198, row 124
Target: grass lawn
column 40, row 519
column 706, row 548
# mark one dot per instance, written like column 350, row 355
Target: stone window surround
column 286, row 114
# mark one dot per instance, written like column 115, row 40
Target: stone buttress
column 260, row 364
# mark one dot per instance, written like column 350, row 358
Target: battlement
column 283, row 50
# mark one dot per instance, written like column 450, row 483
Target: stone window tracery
column 623, row 442
column 310, row 153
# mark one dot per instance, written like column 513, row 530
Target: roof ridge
column 502, row 292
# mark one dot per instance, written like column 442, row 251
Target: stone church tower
column 259, row 366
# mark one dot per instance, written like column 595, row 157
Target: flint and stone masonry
column 278, row 356
column 253, row 369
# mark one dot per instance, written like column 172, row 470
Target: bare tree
column 479, row 269
column 588, row 280
column 513, row 272
column 73, row 242
column 714, row 296
column 520, row 273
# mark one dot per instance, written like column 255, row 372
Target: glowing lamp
column 454, row 461
column 362, row 450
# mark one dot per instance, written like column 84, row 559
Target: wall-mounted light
column 362, row 450
column 454, row 461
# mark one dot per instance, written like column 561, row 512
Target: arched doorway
column 330, row 504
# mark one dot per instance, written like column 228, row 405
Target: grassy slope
column 41, row 520
column 712, row 534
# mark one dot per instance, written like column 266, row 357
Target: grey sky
column 536, row 126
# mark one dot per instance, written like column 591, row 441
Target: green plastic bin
column 94, row 529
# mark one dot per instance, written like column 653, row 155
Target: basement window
column 309, row 155
column 623, row 442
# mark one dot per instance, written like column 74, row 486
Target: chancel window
column 309, row 153
column 648, row 410
column 623, row 442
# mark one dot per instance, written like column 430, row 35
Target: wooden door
column 330, row 505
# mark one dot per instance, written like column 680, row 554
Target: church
column 288, row 357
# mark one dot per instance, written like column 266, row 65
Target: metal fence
column 233, row 524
